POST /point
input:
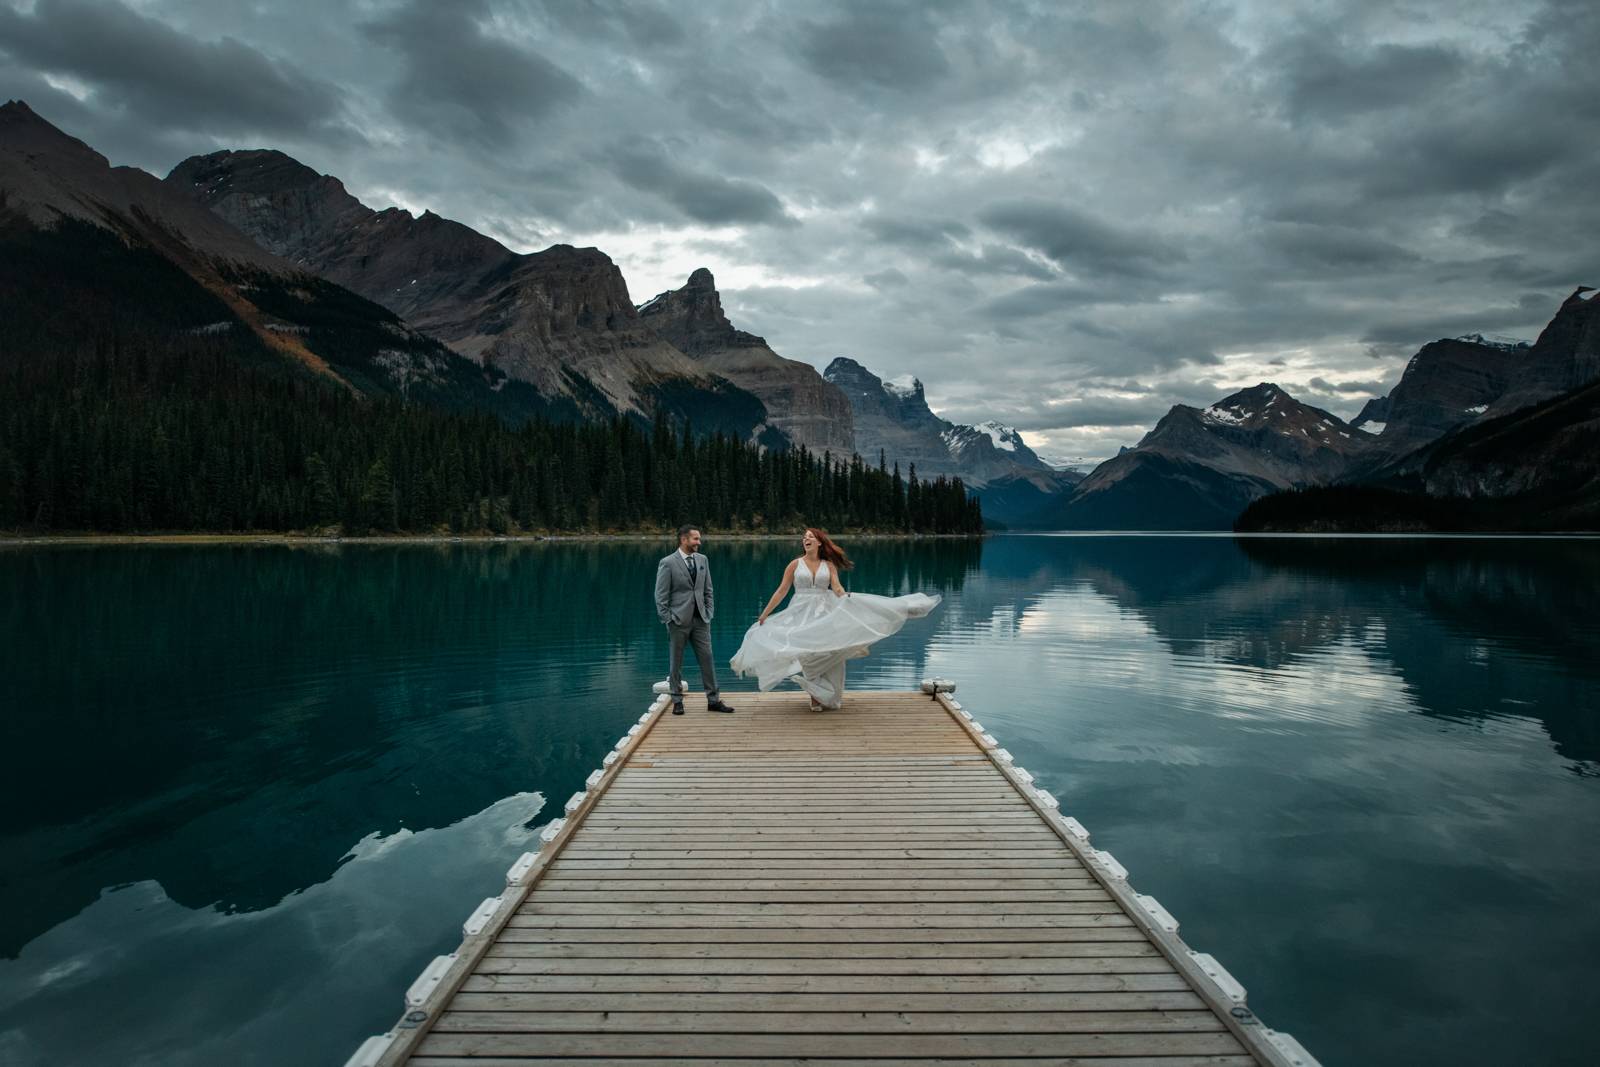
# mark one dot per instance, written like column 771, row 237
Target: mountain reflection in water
column 1363, row 772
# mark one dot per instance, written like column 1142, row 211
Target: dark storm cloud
column 462, row 81
column 1329, row 79
column 1077, row 241
column 1359, row 388
column 141, row 66
column 1035, row 300
column 617, row 21
column 1335, row 248
column 887, row 279
column 995, row 259
column 704, row 197
column 878, row 45
column 1418, row 331
column 915, row 233
column 1079, row 195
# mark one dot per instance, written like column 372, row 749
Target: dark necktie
column 690, row 561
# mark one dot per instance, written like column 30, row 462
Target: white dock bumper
column 481, row 916
column 519, row 870
column 429, row 980
column 371, row 1051
column 1225, row 982
column 1292, row 1050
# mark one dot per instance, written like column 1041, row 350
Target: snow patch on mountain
column 1004, row 437
column 1495, row 340
column 904, row 387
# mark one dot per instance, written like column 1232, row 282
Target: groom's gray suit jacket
column 676, row 598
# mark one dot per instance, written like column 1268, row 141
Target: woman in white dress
column 823, row 626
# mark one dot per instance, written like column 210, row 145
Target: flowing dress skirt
column 810, row 641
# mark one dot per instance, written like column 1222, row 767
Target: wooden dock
column 879, row 884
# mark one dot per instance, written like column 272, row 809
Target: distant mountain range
column 892, row 419
column 560, row 320
column 553, row 333
column 384, row 302
column 1473, row 418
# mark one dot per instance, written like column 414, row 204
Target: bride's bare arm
column 783, row 591
column 838, row 588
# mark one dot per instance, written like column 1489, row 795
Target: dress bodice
column 805, row 582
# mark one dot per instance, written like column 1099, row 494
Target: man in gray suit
column 684, row 605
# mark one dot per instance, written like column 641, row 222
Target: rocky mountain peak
column 692, row 318
column 901, row 398
column 26, row 130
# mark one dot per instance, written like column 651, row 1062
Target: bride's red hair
column 829, row 551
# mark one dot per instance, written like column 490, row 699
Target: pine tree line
column 133, row 434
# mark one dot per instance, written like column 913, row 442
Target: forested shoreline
column 133, row 436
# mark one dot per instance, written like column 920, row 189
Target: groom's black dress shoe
column 717, row 705
column 677, row 707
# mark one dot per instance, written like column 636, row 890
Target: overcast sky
column 1064, row 216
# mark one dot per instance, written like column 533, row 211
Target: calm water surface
column 250, row 791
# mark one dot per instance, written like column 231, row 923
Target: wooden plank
column 1083, row 900
column 1103, row 936
column 944, row 985
column 1123, row 957
column 800, row 918
column 857, row 949
column 834, row 1023
column 830, row 1001
column 662, row 1046
column 935, row 905
column 766, row 1061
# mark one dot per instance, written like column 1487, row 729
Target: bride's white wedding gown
column 810, row 640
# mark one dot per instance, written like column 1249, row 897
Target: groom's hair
column 685, row 530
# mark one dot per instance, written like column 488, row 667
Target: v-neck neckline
column 820, row 564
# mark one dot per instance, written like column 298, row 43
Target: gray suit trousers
column 698, row 633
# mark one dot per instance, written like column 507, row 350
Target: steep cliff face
column 800, row 403
column 1565, row 357
column 48, row 175
column 1459, row 382
column 560, row 319
column 63, row 202
column 1448, row 384
column 1550, row 451
column 1198, row 468
column 893, row 418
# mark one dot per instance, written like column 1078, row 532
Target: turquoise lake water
column 251, row 790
